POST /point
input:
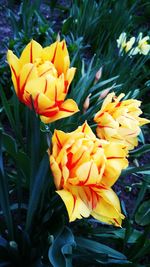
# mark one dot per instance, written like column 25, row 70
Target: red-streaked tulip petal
column 15, row 68
column 48, row 53
column 68, row 108
column 108, row 207
column 61, row 58
column 76, row 208
column 28, row 73
column 69, row 77
column 56, row 172
column 47, row 68
column 31, row 52
column 60, row 138
column 87, row 173
column 85, row 128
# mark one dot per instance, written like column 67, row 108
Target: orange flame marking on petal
column 21, row 91
column 65, row 86
column 116, row 221
column 118, row 105
column 45, row 72
column 94, row 198
column 49, row 112
column 70, row 165
column 53, row 59
column 101, row 115
column 63, row 45
column 45, row 89
column 16, row 77
column 84, row 182
column 67, row 110
column 102, row 186
column 100, row 126
column 132, row 133
column 83, row 128
column 129, row 118
column 59, row 143
column 100, row 146
column 115, row 158
column 55, row 93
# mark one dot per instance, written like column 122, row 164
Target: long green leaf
column 97, row 247
column 37, row 190
column 4, row 195
column 60, row 252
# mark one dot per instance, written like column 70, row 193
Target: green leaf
column 22, row 160
column 4, row 194
column 7, row 108
column 60, row 252
column 140, row 151
column 141, row 169
column 142, row 215
column 8, row 112
column 66, row 25
column 37, row 188
column 99, row 248
column 9, row 144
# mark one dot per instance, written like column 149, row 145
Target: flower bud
column 86, row 103
column 98, row 75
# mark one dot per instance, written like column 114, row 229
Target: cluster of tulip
column 84, row 166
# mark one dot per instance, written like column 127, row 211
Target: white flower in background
column 123, row 44
column 121, row 41
column 143, row 47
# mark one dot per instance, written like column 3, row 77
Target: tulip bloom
column 41, row 78
column 84, row 168
column 119, row 121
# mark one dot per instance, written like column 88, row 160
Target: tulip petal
column 110, row 197
column 69, row 77
column 87, row 173
column 48, row 52
column 108, row 207
column 57, row 53
column 85, row 128
column 15, row 68
column 55, row 89
column 31, row 52
column 68, row 108
column 28, row 72
column 107, row 100
column 113, row 170
column 60, row 138
column 56, row 172
column 143, row 121
column 47, row 68
column 61, row 59
column 76, row 208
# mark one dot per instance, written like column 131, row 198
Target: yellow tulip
column 119, row 121
column 84, row 168
column 41, row 78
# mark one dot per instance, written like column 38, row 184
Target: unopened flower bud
column 105, row 93
column 86, row 103
column 98, row 75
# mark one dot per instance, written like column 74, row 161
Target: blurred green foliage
column 33, row 226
